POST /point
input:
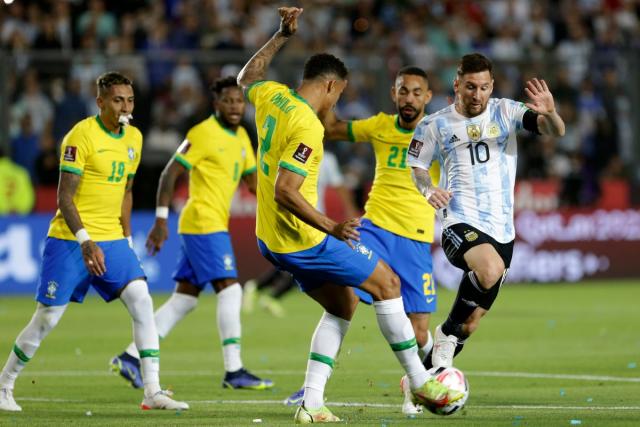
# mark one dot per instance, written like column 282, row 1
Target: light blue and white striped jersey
column 478, row 158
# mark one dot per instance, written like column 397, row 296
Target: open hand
column 540, row 96
column 289, row 20
column 347, row 231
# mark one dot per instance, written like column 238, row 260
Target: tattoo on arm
column 67, row 187
column 422, row 180
column 256, row 69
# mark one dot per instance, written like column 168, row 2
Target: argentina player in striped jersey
column 474, row 140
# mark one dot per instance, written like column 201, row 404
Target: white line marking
column 44, row 399
column 389, row 405
column 576, row 377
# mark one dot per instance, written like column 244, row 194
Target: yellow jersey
column 394, row 202
column 104, row 160
column 216, row 157
column 290, row 136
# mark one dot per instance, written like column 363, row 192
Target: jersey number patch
column 117, row 171
column 481, row 151
column 393, row 156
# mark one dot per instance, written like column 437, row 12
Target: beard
column 408, row 117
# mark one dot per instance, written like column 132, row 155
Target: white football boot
column 7, row 402
column 408, row 407
column 161, row 400
column 444, row 347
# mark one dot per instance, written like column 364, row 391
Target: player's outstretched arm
column 159, row 233
column 549, row 121
column 437, row 197
column 91, row 253
column 256, row 69
column 334, row 129
column 287, row 195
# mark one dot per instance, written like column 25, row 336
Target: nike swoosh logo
column 430, row 300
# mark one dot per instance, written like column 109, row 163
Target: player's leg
column 253, row 286
column 485, row 271
column 339, row 303
column 181, row 302
column 269, row 300
column 43, row 321
column 63, row 278
column 229, row 293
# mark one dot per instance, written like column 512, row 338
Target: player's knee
column 490, row 274
column 137, row 299
column 390, row 287
column 49, row 318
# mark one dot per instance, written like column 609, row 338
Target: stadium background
column 577, row 196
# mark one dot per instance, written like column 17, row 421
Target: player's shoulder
column 260, row 89
column 440, row 117
column 134, row 133
column 83, row 130
column 504, row 103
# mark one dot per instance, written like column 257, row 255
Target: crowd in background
column 54, row 50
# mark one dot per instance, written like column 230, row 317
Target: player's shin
column 325, row 346
column 396, row 328
column 140, row 306
column 229, row 327
column 43, row 321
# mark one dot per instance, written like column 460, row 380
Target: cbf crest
column 474, row 132
column 227, row 259
column 132, row 153
column 52, row 287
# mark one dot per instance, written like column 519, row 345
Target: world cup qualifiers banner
column 560, row 246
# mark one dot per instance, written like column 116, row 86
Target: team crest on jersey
column 302, row 153
column 493, row 130
column 52, row 287
column 471, row 236
column 70, row 154
column 364, row 250
column 227, row 259
column 132, row 153
column 474, row 132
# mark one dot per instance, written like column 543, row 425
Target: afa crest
column 471, row 236
column 474, row 132
column 493, row 130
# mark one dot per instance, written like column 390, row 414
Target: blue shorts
column 205, row 257
column 410, row 260
column 330, row 261
column 65, row 278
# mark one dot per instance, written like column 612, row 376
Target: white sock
column 229, row 328
column 325, row 345
column 138, row 301
column 424, row 351
column 42, row 322
column 167, row 316
column 396, row 328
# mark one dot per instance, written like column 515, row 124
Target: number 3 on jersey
column 265, row 143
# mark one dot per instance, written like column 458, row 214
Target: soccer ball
column 454, row 379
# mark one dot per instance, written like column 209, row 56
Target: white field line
column 388, row 405
column 603, row 378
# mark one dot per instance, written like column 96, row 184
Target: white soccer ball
column 454, row 379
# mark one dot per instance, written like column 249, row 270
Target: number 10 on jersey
column 479, row 152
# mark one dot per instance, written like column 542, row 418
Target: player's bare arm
column 256, row 69
column 287, row 195
column 334, row 129
column 251, row 181
column 91, row 253
column 127, row 205
column 549, row 121
column 159, row 233
column 437, row 197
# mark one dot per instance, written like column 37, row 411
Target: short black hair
column 224, row 82
column 111, row 78
column 412, row 70
column 325, row 65
column 474, row 63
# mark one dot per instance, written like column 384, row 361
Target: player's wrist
column 82, row 236
column 162, row 213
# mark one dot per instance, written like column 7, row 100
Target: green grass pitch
column 547, row 355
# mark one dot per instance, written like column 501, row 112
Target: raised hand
column 347, row 231
column 540, row 96
column 289, row 20
column 157, row 236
